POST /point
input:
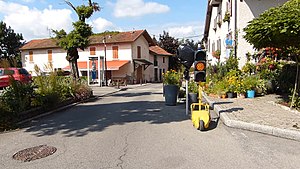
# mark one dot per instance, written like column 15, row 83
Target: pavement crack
column 125, row 149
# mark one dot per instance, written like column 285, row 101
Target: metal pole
column 186, row 97
column 99, row 71
column 105, row 73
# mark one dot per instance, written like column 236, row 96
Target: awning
column 111, row 65
column 142, row 62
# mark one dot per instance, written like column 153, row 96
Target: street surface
column 133, row 129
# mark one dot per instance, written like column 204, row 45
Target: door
column 155, row 74
column 139, row 74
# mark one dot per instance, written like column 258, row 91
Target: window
column 115, row 52
column 155, row 60
column 219, row 44
column 30, row 56
column 139, row 52
column 92, row 50
column 49, row 55
column 163, row 59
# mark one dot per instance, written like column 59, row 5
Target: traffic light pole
column 186, row 97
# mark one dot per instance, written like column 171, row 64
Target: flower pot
column 171, row 93
column 241, row 95
column 230, row 95
column 250, row 93
column 193, row 98
column 223, row 96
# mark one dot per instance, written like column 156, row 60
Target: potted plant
column 193, row 92
column 171, row 81
column 216, row 54
column 250, row 83
column 226, row 17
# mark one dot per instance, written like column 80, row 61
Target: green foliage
column 276, row 27
column 250, row 82
column 106, row 33
column 17, row 96
column 171, row 77
column 232, row 63
column 79, row 37
column 226, row 17
column 10, row 42
column 170, row 44
column 249, row 68
column 193, row 87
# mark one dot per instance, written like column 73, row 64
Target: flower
column 171, row 77
column 216, row 54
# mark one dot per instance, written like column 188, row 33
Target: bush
column 17, row 96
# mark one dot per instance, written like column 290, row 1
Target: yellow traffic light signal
column 200, row 66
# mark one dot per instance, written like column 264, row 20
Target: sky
column 35, row 19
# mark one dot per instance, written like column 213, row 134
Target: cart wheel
column 201, row 125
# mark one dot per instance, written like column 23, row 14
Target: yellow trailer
column 200, row 113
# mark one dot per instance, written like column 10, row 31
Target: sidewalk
column 261, row 114
column 105, row 90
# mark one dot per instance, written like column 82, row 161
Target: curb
column 274, row 131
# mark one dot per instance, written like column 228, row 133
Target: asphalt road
column 133, row 129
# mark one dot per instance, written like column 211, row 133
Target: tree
column 170, row 44
column 79, row 37
column 10, row 42
column 190, row 42
column 278, row 27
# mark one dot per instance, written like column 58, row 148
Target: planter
column 193, row 98
column 241, row 95
column 223, row 96
column 171, row 93
column 250, row 93
column 230, row 95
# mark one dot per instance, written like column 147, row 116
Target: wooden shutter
column 49, row 55
column 92, row 50
column 115, row 52
column 30, row 56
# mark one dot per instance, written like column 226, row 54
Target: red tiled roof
column 159, row 51
column 120, row 37
column 111, row 65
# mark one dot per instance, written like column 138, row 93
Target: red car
column 19, row 74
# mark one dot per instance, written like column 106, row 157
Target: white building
column 228, row 35
column 128, row 55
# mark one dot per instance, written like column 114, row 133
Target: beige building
column 131, row 55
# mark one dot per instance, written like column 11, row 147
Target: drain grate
column 34, row 153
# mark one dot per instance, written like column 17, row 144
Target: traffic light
column 200, row 66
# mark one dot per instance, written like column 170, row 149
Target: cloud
column 34, row 23
column 101, row 25
column 134, row 8
column 192, row 30
column 27, row 1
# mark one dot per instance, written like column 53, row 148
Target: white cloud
column 134, row 8
column 28, row 1
column 193, row 30
column 33, row 23
column 101, row 25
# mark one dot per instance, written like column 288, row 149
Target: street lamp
column 105, row 72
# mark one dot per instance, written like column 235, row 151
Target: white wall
column 40, row 58
column 247, row 10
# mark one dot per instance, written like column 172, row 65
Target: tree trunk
column 296, row 83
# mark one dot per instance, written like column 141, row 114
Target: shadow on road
column 86, row 118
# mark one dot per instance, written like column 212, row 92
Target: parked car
column 19, row 74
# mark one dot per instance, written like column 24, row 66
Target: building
column 131, row 55
column 225, row 21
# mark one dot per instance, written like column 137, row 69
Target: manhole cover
column 34, row 153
